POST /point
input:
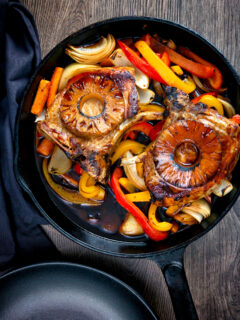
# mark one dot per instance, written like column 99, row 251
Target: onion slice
column 132, row 174
column 204, row 87
column 94, row 53
column 199, row 210
column 228, row 108
column 146, row 96
column 141, row 116
column 223, row 188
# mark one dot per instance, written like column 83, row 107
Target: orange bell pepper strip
column 216, row 80
column 198, row 69
column 133, row 209
column 165, row 58
column 164, row 71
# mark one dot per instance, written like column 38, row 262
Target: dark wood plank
column 212, row 263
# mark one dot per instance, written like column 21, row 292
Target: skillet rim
column 24, row 185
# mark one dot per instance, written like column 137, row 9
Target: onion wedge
column 59, row 162
column 94, row 53
column 130, row 226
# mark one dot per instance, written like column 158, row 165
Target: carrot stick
column 41, row 97
column 54, row 85
column 45, row 147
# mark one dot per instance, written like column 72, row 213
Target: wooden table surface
column 212, row 263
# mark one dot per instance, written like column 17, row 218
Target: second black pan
column 168, row 253
column 67, row 291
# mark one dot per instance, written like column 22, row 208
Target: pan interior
column 64, row 217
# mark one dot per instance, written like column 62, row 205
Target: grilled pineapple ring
column 94, row 102
column 187, row 154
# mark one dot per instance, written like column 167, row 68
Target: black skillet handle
column 172, row 267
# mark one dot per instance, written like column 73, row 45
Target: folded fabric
column 21, row 237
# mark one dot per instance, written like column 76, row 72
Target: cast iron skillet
column 68, row 291
column 168, row 254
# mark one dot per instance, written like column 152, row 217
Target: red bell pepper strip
column 155, row 130
column 147, row 39
column 198, row 69
column 134, row 210
column 144, row 127
column 140, row 63
column 131, row 135
column 236, row 118
column 195, row 100
column 217, row 79
column 78, row 169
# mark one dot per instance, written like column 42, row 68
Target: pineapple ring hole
column 91, row 105
column 186, row 154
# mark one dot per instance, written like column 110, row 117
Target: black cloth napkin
column 21, row 237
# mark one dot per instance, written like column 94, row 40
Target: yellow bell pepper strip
column 155, row 130
column 210, row 101
column 236, row 118
column 151, row 107
column 216, row 79
column 144, row 127
column 67, row 195
column 127, row 185
column 196, row 100
column 127, row 145
column 139, row 167
column 177, row 69
column 133, row 209
column 88, row 189
column 87, row 183
column 164, row 71
column 143, row 196
column 198, row 69
column 161, row 226
column 140, row 63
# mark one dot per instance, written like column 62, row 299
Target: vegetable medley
column 157, row 64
